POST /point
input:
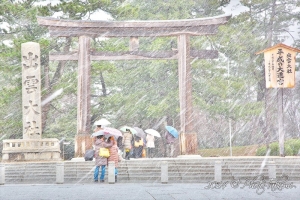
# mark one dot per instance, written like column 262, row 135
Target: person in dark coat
column 100, row 161
column 138, row 146
column 119, row 143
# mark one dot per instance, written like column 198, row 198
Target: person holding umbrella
column 100, row 161
column 150, row 141
column 138, row 146
column 150, row 145
column 90, row 153
column 139, row 141
column 170, row 139
column 170, row 136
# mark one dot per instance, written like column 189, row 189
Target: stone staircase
column 180, row 170
column 32, row 173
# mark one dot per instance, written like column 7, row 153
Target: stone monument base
column 31, row 150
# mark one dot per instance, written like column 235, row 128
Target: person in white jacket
column 150, row 145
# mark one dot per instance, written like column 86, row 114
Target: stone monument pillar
column 31, row 91
column 32, row 147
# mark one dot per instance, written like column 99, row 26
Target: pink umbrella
column 112, row 131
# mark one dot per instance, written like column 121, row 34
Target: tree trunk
column 48, row 84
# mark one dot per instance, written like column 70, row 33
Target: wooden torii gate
column 182, row 29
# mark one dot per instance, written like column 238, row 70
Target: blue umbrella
column 173, row 131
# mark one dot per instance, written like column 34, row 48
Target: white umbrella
column 101, row 132
column 102, row 122
column 152, row 132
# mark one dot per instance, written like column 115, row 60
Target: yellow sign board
column 280, row 66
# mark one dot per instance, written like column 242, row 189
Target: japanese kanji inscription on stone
column 31, row 95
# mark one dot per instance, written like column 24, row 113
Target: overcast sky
column 234, row 8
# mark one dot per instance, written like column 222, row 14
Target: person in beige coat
column 114, row 156
column 127, row 143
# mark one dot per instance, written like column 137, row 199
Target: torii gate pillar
column 188, row 136
column 83, row 140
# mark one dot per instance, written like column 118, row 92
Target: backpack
column 89, row 155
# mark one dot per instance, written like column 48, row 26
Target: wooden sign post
column 280, row 73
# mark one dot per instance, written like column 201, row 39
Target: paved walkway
column 134, row 191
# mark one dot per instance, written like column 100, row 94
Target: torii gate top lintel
column 146, row 28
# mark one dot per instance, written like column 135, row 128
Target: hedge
column 291, row 148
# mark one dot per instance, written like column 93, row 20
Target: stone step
column 143, row 167
column 248, row 169
column 169, row 169
column 260, row 164
column 29, row 168
column 35, row 179
column 29, row 174
column 288, row 167
column 155, row 174
column 170, row 178
column 184, row 164
column 265, row 169
column 169, row 164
